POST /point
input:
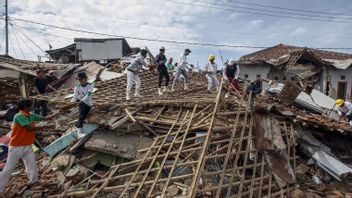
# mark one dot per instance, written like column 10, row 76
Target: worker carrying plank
column 132, row 72
column 182, row 67
column 344, row 109
column 21, row 139
column 162, row 69
column 210, row 70
column 83, row 96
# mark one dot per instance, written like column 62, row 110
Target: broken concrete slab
column 121, row 145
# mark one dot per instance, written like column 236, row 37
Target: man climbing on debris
column 182, row 67
column 132, row 72
column 162, row 69
column 256, row 86
column 344, row 109
column 231, row 72
column 21, row 139
column 40, row 86
column 210, row 70
column 83, row 95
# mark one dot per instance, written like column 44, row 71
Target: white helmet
column 232, row 61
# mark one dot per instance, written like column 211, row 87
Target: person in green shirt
column 170, row 66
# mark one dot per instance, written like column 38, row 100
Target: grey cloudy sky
column 219, row 22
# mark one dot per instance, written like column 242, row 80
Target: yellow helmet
column 211, row 57
column 339, row 102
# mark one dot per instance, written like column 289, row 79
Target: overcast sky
column 168, row 20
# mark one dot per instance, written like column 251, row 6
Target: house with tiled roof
column 330, row 72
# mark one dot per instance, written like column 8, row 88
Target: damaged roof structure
column 326, row 71
column 191, row 144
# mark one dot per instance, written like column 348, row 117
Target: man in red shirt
column 21, row 140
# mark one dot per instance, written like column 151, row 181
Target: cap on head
column 188, row 50
column 144, row 52
column 212, row 57
column 81, row 75
column 339, row 102
column 162, row 48
column 232, row 61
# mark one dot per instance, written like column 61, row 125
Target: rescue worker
column 256, row 86
column 230, row 74
column 162, row 69
column 20, row 146
column 344, row 109
column 170, row 66
column 41, row 84
column 210, row 70
column 83, row 95
column 182, row 67
column 132, row 72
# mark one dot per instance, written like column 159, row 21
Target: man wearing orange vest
column 21, row 140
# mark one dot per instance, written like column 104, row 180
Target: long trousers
column 163, row 73
column 41, row 106
column 212, row 79
column 83, row 112
column 180, row 72
column 14, row 155
column 132, row 78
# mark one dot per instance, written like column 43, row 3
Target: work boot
column 128, row 98
column 172, row 88
column 208, row 92
column 165, row 89
column 350, row 122
column 138, row 95
column 160, row 92
column 185, row 87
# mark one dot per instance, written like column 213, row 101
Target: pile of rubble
column 189, row 143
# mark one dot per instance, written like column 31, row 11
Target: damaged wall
column 336, row 76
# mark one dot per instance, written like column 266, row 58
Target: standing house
column 89, row 49
column 329, row 72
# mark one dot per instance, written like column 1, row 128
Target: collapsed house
column 326, row 71
column 100, row 50
column 191, row 144
column 16, row 76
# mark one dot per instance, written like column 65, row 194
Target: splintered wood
column 207, row 149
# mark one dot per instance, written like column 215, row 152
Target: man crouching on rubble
column 83, row 96
column 344, row 109
column 132, row 72
column 21, row 140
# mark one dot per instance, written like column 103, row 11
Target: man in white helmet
column 231, row 72
column 210, row 70
column 182, row 67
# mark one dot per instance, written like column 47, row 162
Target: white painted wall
column 335, row 77
column 110, row 49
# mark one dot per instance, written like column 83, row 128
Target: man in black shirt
column 40, row 85
column 163, row 73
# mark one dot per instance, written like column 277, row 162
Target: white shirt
column 182, row 62
column 345, row 109
column 211, row 67
column 83, row 94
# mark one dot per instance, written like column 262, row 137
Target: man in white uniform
column 181, row 69
column 210, row 70
column 132, row 72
